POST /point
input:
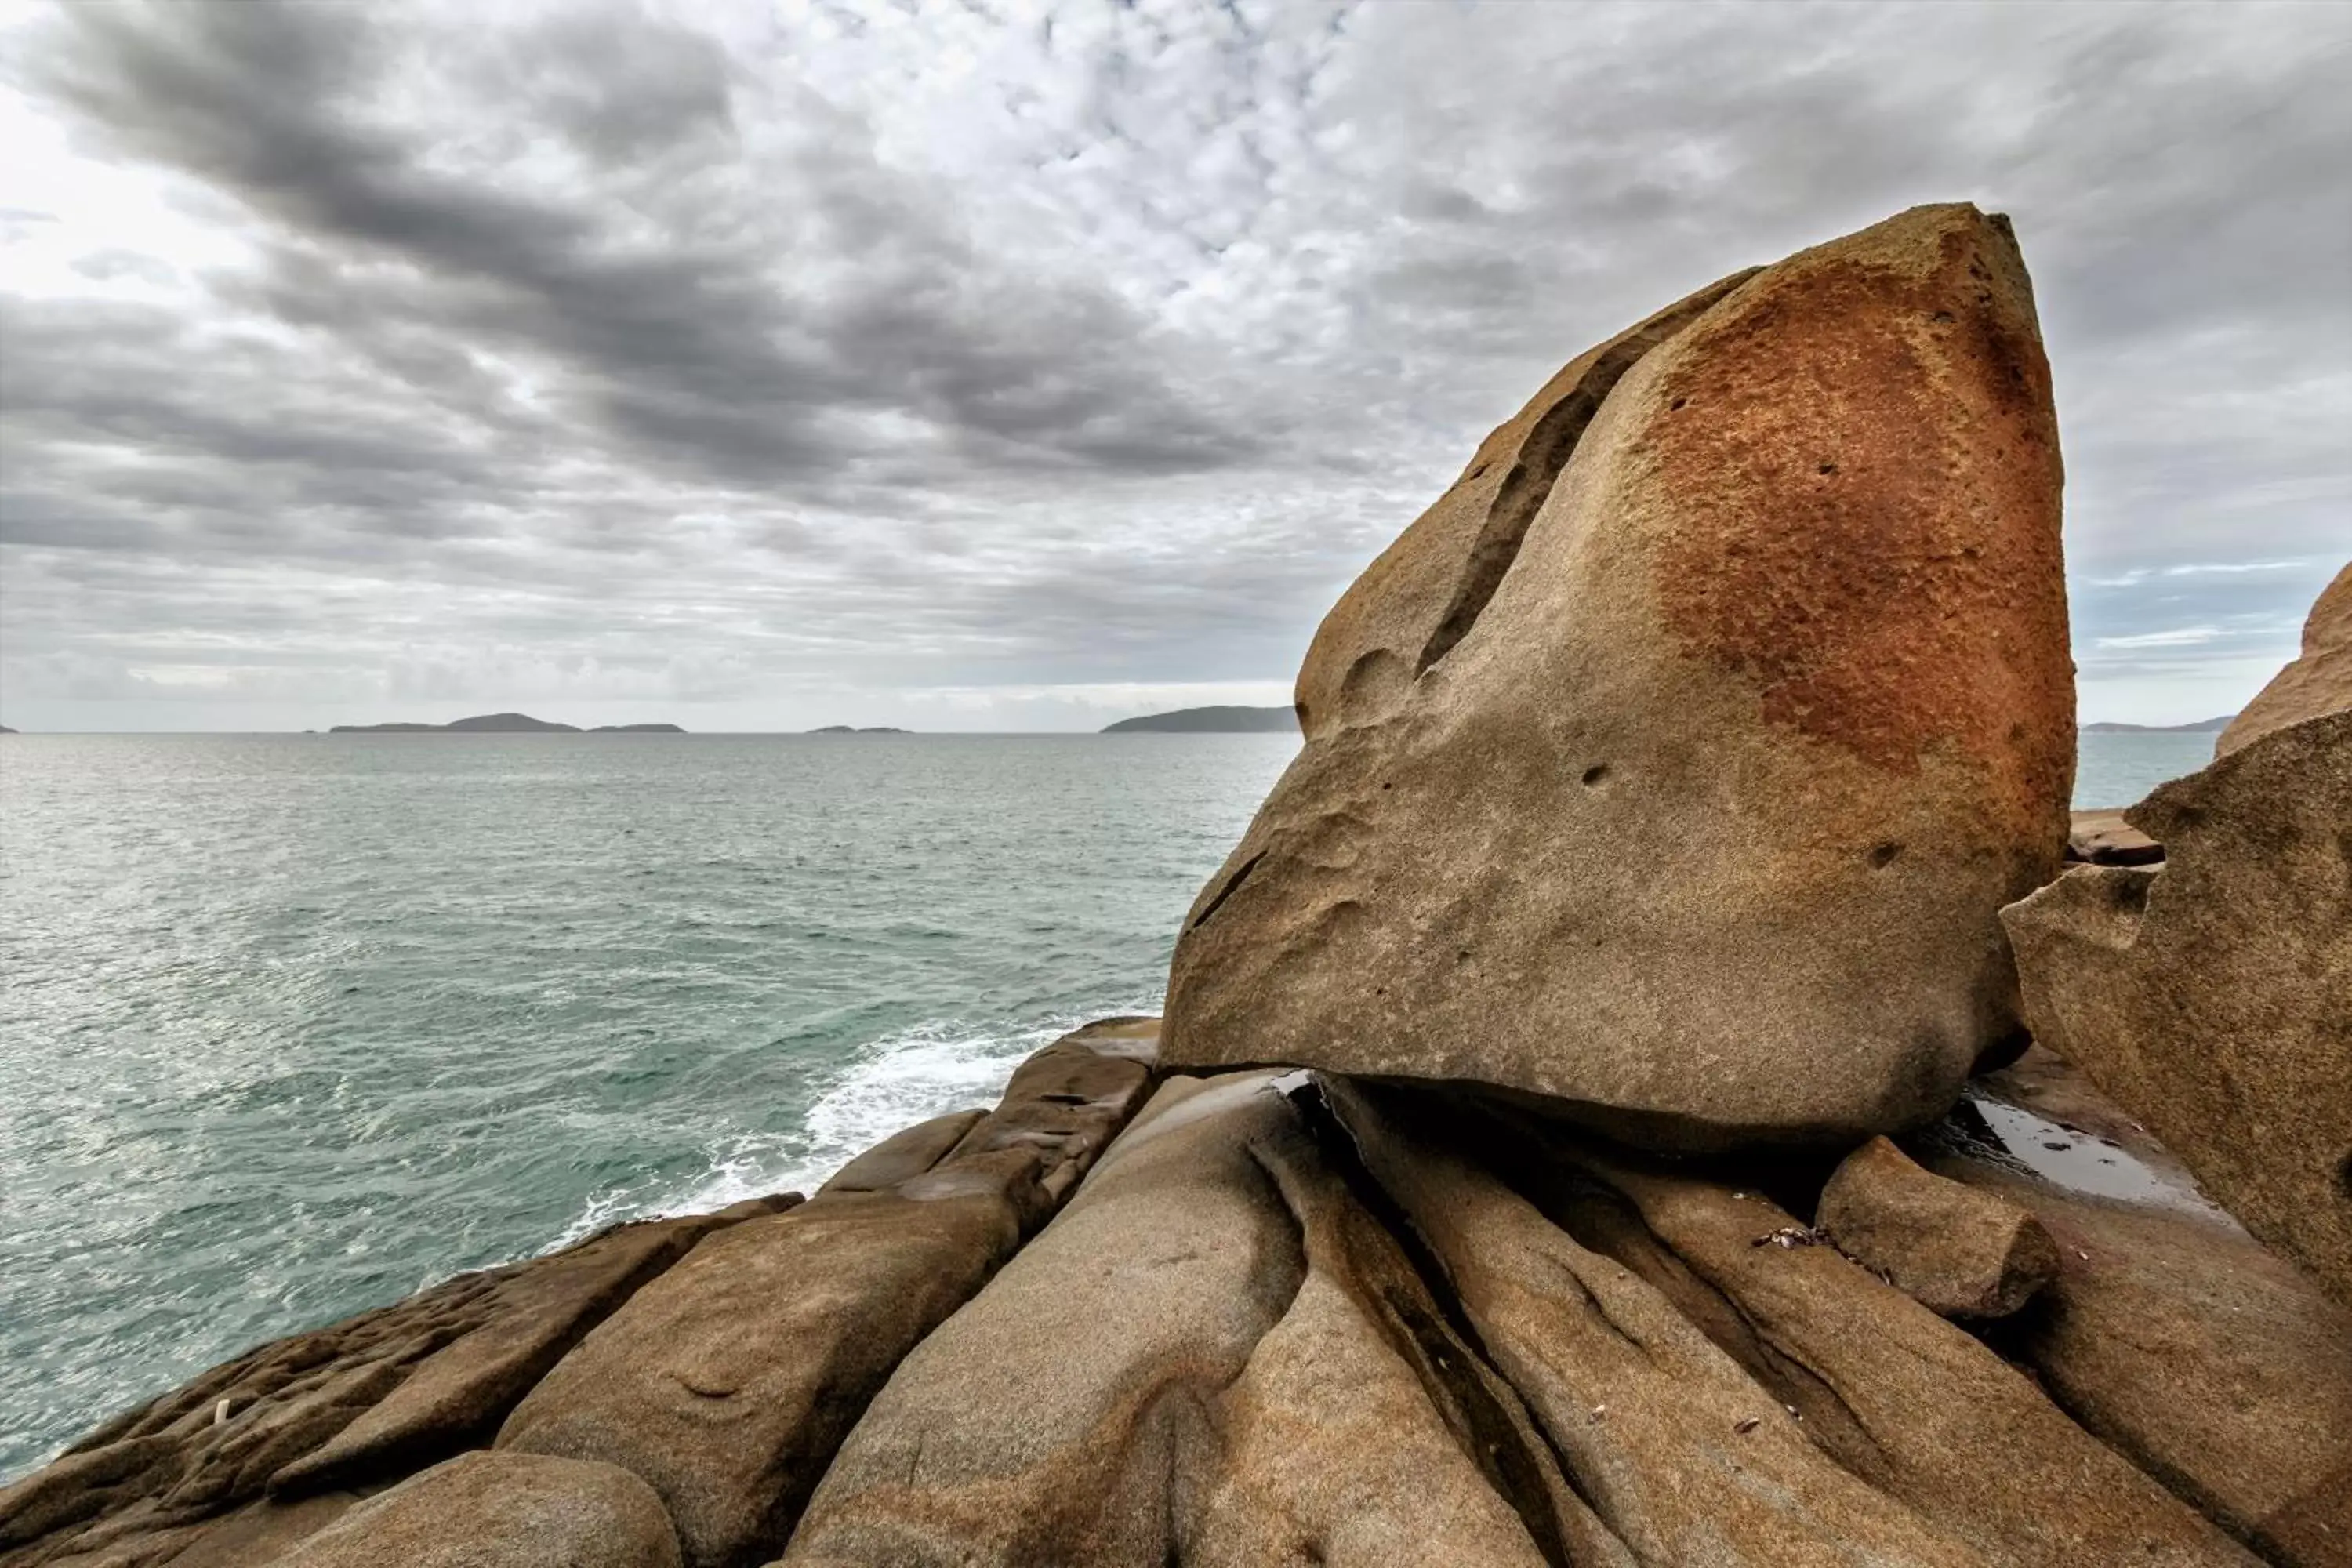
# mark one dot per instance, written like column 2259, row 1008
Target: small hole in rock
column 1678, row 403
column 1063, row 1098
column 1387, row 785
column 1595, row 773
column 1883, row 855
column 1942, row 315
column 1829, row 467
column 2343, row 1175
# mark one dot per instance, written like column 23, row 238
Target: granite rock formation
column 2212, row 997
column 518, row 1510
column 1956, row 1251
column 1660, row 786
column 1672, row 769
column 2319, row 681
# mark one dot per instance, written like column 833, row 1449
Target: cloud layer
column 1021, row 365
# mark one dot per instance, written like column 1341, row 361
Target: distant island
column 856, row 730
column 6, row 731
column 2202, row 727
column 1211, row 721
column 503, row 724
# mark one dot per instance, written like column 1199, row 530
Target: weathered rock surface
column 2105, row 838
column 1699, row 828
column 2213, row 997
column 366, row 1400
column 1683, row 1456
column 906, row 1153
column 1958, row 1251
column 1895, row 1395
column 1213, row 1356
column 2215, row 1366
column 2319, row 680
column 1425, row 591
column 728, row 1382
column 500, row 1511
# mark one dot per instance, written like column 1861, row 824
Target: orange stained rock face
column 1861, row 458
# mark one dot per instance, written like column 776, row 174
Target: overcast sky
column 1001, row 366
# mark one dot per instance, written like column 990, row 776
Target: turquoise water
column 291, row 1025
column 2116, row 770
column 294, row 1025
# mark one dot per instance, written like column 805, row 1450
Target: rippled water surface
column 294, row 1025
column 290, row 1026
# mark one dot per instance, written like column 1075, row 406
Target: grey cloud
column 604, row 343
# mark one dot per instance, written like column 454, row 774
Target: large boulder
column 2213, row 997
column 1692, row 816
column 2319, row 681
column 728, row 1383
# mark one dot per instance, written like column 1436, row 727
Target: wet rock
column 728, row 1383
column 2319, row 680
column 1683, row 1455
column 510, row 1510
column 2213, row 998
column 1213, row 1356
column 1958, row 1251
column 2105, row 838
column 365, row 1400
column 1699, row 828
column 2215, row 1366
column 1898, row 1396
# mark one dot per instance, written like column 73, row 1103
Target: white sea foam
column 885, row 1086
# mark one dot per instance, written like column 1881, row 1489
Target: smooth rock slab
column 1898, row 1396
column 729, row 1383
column 2212, row 999
column 1958, row 1251
column 1212, row 1357
column 1699, row 830
column 500, row 1511
column 2214, row 1365
column 1683, row 1456
column 364, row 1401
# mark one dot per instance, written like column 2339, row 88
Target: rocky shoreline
column 1663, row 1081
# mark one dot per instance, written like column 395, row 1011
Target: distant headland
column 2201, row 727
column 1211, row 721
column 860, row 730
column 503, row 724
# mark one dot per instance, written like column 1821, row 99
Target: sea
column 291, row 1025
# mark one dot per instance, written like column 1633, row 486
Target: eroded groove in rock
column 1528, row 483
column 1954, row 1432
column 1181, row 1369
column 1430, row 1332
column 1233, row 885
column 1684, row 1457
column 1428, row 588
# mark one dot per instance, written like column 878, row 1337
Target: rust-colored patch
column 1863, row 471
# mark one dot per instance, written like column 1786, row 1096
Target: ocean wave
column 890, row 1084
